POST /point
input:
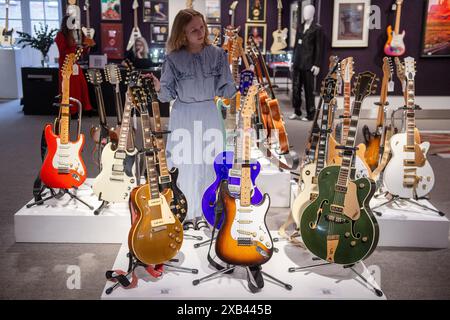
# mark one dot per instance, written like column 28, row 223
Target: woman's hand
column 156, row 82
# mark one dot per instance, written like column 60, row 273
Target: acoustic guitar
column 395, row 45
column 63, row 166
column 338, row 226
column 244, row 238
column 156, row 235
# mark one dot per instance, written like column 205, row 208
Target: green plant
column 42, row 41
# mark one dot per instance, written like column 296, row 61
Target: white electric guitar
column 88, row 31
column 409, row 174
column 135, row 33
column 118, row 175
column 6, row 36
column 279, row 35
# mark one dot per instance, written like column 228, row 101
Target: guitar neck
column 246, row 184
column 346, row 121
column 323, row 139
column 266, row 74
column 152, row 175
column 101, row 104
column 383, row 99
column 64, row 111
column 162, row 161
column 410, row 113
column 397, row 18
column 7, row 15
column 279, row 19
column 135, row 18
column 125, row 126
column 118, row 103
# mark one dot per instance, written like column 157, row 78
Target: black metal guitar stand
column 378, row 292
column 414, row 201
column 59, row 195
column 133, row 263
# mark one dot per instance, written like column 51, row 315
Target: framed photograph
column 436, row 30
column 351, row 23
column 147, row 10
column 258, row 32
column 159, row 33
column 212, row 11
column 159, row 11
column 111, row 10
column 215, row 30
column 256, row 10
column 112, row 40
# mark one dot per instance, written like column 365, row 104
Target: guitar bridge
column 246, row 242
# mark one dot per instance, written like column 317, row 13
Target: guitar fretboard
column 162, row 160
column 125, row 126
column 346, row 114
column 410, row 113
column 323, row 138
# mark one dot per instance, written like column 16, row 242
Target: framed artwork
column 147, row 10
column 258, row 32
column 256, row 10
column 351, row 23
column 159, row 11
column 112, row 40
column 436, row 29
column 212, row 11
column 213, row 31
column 159, row 33
column 111, row 10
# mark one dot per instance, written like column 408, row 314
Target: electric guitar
column 311, row 171
column 279, row 35
column 395, row 46
column 244, row 238
column 135, row 33
column 167, row 179
column 338, row 226
column 88, row 31
column 156, row 235
column 373, row 140
column 6, row 35
column 118, row 175
column 230, row 30
column 63, row 166
column 409, row 174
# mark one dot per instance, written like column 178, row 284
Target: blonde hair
column 144, row 43
column 177, row 39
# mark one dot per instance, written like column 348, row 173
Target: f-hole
column 358, row 235
column 313, row 225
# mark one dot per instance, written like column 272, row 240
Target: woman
column 78, row 86
column 193, row 73
column 139, row 54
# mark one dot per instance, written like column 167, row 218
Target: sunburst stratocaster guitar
column 338, row 226
column 63, row 165
column 409, row 174
column 244, row 238
column 395, row 45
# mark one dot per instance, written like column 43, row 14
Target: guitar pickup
column 234, row 188
column 116, row 179
column 336, row 209
column 409, row 148
column 117, row 167
column 409, row 163
column 234, row 173
column 244, row 242
column 120, row 155
column 165, row 179
column 339, row 188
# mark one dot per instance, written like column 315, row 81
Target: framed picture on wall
column 159, row 11
column 351, row 23
column 258, row 32
column 112, row 40
column 436, row 30
column 256, row 10
column 214, row 32
column 147, row 10
column 212, row 11
column 159, row 33
column 111, row 10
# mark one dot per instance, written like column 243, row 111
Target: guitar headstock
column 112, row 74
column 216, row 37
column 149, row 88
column 135, row 4
column 329, row 89
column 130, row 68
column 400, row 70
column 69, row 61
column 233, row 5
column 388, row 68
column 279, row 5
column 94, row 76
column 347, row 69
column 365, row 84
column 410, row 68
column 245, row 82
column 247, row 109
column 86, row 5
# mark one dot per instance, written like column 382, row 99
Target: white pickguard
column 66, row 156
column 395, row 170
column 361, row 170
column 252, row 220
column 397, row 40
column 113, row 188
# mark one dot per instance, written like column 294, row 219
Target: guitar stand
column 200, row 244
column 412, row 201
column 58, row 195
column 102, row 206
column 133, row 263
column 251, row 279
column 378, row 292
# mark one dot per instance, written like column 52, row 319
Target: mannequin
column 306, row 61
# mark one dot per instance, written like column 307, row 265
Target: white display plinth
column 69, row 221
column 326, row 282
column 405, row 225
column 11, row 74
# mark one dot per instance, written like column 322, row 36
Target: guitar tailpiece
column 159, row 133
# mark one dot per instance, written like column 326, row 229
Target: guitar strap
column 292, row 157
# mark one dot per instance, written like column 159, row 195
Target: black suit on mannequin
column 307, row 53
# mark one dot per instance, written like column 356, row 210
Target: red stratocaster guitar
column 63, row 166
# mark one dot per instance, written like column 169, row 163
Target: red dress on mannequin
column 78, row 84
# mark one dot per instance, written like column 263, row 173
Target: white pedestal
column 10, row 75
column 69, row 221
column 328, row 282
column 405, row 225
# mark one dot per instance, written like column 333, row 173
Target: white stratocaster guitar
column 135, row 33
column 88, row 31
column 409, row 174
column 6, row 36
column 117, row 178
column 279, row 35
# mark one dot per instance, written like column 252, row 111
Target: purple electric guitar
column 228, row 167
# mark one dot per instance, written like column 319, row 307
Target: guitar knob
column 268, row 244
column 132, row 180
column 353, row 243
column 178, row 240
column 171, row 235
column 172, row 245
column 261, row 238
column 129, row 188
column 177, row 229
column 362, row 185
column 347, row 235
column 364, row 239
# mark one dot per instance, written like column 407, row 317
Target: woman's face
column 195, row 31
column 139, row 45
